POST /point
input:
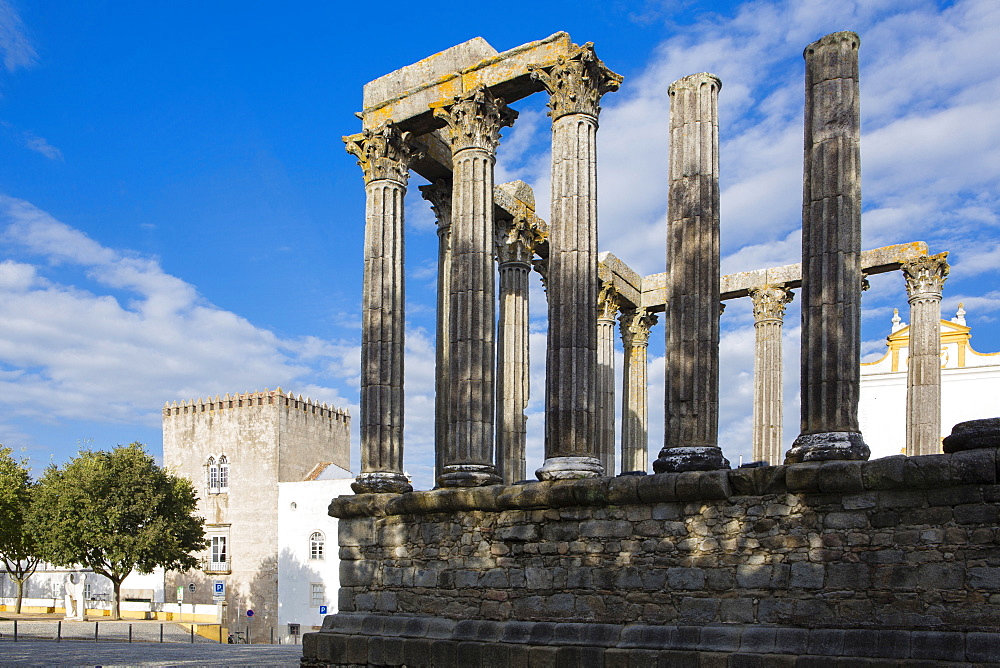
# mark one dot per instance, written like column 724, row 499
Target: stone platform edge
column 350, row 639
column 969, row 467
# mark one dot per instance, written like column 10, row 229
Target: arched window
column 223, row 474
column 316, row 542
column 213, row 476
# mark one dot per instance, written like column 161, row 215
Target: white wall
column 296, row 571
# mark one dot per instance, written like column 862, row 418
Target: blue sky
column 178, row 217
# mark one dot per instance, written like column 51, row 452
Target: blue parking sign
column 322, row 609
column 220, row 587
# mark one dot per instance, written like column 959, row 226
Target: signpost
column 219, row 590
column 249, row 617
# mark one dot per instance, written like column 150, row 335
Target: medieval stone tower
column 236, row 450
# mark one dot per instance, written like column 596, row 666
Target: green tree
column 117, row 512
column 17, row 545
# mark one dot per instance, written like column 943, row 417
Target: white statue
column 76, row 606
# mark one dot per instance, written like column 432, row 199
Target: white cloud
column 75, row 353
column 14, row 43
column 42, row 146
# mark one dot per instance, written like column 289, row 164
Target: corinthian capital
column 576, row 82
column 383, row 152
column 474, row 120
column 439, row 195
column 635, row 324
column 925, row 276
column 515, row 241
column 608, row 303
column 769, row 302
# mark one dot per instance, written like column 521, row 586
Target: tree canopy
column 117, row 512
column 18, row 551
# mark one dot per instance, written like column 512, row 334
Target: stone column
column 473, row 126
column 831, row 255
column 692, row 316
column 439, row 195
column 635, row 326
column 607, row 308
column 515, row 248
column 575, row 85
column 768, row 315
column 384, row 153
column 925, row 279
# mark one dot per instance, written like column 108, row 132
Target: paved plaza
column 37, row 646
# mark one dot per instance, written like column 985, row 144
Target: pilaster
column 769, row 303
column 693, row 309
column 575, row 85
column 472, row 124
column 635, row 328
column 925, row 279
column 384, row 154
column 831, row 255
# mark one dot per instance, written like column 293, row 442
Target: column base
column 973, row 434
column 570, row 468
column 690, row 458
column 468, row 475
column 842, row 445
column 381, row 482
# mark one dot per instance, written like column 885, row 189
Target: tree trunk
column 115, row 602
column 20, row 596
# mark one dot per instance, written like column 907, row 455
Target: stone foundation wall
column 895, row 543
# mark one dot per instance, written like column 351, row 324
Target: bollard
column 96, row 624
column 15, row 630
column 130, row 633
column 220, row 634
column 192, row 634
column 161, row 632
column 272, row 635
column 59, row 631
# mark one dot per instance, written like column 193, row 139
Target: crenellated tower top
column 250, row 399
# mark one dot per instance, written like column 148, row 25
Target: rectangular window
column 220, row 558
column 317, row 594
column 213, row 478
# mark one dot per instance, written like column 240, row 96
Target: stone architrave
column 384, row 154
column 692, row 315
column 608, row 303
column 635, row 326
column 831, row 255
column 439, row 195
column 769, row 303
column 575, row 85
column 515, row 246
column 925, row 279
column 473, row 123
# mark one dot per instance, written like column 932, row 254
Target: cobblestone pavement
column 109, row 654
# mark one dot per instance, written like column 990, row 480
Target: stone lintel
column 873, row 261
column 968, row 467
column 407, row 98
column 614, row 272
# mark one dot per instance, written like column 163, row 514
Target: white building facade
column 970, row 386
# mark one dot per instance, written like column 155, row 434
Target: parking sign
column 322, row 609
column 219, row 592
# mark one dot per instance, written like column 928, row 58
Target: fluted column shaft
column 768, row 313
column 635, row 326
column 575, row 86
column 607, row 308
column 692, row 315
column 384, row 154
column 514, row 254
column 473, row 122
column 831, row 255
column 439, row 195
column 925, row 279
